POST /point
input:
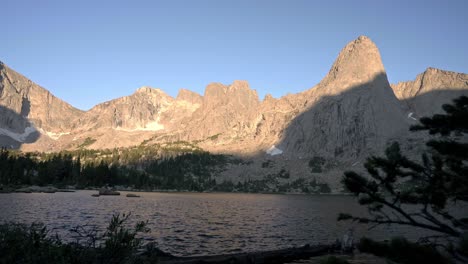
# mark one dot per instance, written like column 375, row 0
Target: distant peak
column 147, row 89
column 190, row 96
column 184, row 91
column 268, row 97
column 431, row 71
column 240, row 83
column 435, row 70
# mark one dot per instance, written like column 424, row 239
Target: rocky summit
column 430, row 90
column 352, row 113
column 353, row 110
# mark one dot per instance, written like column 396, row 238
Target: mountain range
column 352, row 113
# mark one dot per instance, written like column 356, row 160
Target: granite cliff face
column 227, row 113
column 139, row 111
column 353, row 110
column 129, row 120
column 28, row 109
column 352, row 113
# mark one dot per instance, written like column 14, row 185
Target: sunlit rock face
column 189, row 97
column 228, row 110
column 431, row 89
column 28, row 109
column 129, row 120
column 358, row 63
column 138, row 112
column 350, row 114
column 353, row 111
column 31, row 101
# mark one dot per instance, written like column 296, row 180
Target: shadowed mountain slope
column 428, row 91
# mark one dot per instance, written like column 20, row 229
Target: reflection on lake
column 188, row 224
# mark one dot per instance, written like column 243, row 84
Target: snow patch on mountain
column 17, row 136
column 53, row 135
column 410, row 116
column 273, row 151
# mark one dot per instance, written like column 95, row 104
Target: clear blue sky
column 87, row 52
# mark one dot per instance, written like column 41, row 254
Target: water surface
column 187, row 224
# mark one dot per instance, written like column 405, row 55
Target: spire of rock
column 355, row 109
column 358, row 62
column 189, row 96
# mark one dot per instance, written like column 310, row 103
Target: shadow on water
column 16, row 129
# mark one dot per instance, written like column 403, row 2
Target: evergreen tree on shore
column 432, row 186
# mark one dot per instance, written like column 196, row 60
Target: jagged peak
column 361, row 56
column 240, row 84
column 217, row 93
column 148, row 89
column 268, row 97
column 242, row 88
column 430, row 75
column 214, row 89
column 433, row 70
column 187, row 95
column 183, row 91
column 235, row 84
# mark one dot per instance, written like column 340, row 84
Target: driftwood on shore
column 272, row 256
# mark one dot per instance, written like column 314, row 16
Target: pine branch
column 407, row 223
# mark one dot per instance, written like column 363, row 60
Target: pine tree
column 431, row 186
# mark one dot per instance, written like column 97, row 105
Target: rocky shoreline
column 271, row 256
column 35, row 189
column 53, row 189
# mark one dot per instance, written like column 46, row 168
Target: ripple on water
column 186, row 224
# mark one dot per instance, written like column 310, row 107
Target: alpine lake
column 195, row 224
